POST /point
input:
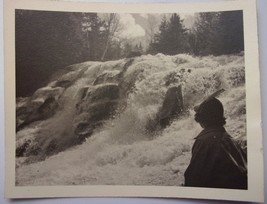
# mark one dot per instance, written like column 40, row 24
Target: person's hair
column 210, row 113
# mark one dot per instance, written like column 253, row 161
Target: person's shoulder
column 211, row 135
column 207, row 140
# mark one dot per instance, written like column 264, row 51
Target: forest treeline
column 214, row 33
column 47, row 41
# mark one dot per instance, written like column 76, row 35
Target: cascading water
column 120, row 151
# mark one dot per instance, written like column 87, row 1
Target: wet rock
column 51, row 147
column 21, row 101
column 172, row 105
column 127, row 64
column 84, row 130
column 68, row 75
column 104, row 92
column 97, row 105
column 20, row 150
column 48, row 108
column 41, row 105
column 24, row 112
column 97, row 112
column 46, row 92
column 82, row 93
column 91, row 95
column 107, row 77
column 171, row 108
column 44, row 111
column 63, row 83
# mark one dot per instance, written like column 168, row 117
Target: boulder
column 23, row 112
column 44, row 111
column 48, row 108
column 21, row 150
column 97, row 105
column 41, row 105
column 127, row 64
column 107, row 77
column 67, row 76
column 84, row 130
column 90, row 95
column 63, row 83
column 21, row 101
column 172, row 106
column 171, row 109
column 104, row 92
column 75, row 67
column 46, row 92
column 101, row 111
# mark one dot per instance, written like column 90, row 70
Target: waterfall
column 117, row 150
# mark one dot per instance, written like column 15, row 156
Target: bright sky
column 130, row 28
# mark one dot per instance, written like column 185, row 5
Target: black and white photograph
column 137, row 99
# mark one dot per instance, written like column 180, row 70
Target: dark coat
column 217, row 161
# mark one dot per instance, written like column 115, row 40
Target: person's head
column 210, row 113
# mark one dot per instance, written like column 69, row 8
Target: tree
column 171, row 38
column 45, row 42
column 151, row 28
column 193, row 41
column 232, row 33
column 94, row 32
column 111, row 27
column 217, row 33
column 114, row 50
column 176, row 35
column 126, row 49
column 206, row 33
column 160, row 39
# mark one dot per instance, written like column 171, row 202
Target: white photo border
column 255, row 190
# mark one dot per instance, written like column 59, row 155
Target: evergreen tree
column 160, row 42
column 217, row 33
column 171, row 38
column 231, row 31
column 206, row 33
column 176, row 35
column 193, row 42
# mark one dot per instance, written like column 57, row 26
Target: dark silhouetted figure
column 217, row 160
